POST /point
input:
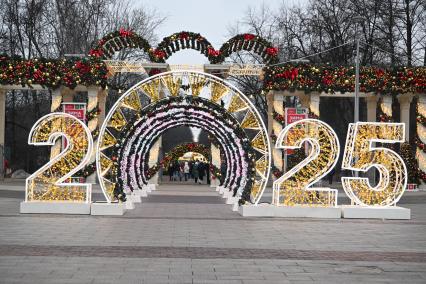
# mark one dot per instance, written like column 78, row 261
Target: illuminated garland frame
column 172, row 84
column 162, row 108
column 332, row 79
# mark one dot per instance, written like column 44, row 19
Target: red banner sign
column 76, row 109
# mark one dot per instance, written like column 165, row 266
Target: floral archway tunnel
column 178, row 152
column 182, row 98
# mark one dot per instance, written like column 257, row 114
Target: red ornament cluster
column 125, row 33
column 273, row 51
column 213, row 52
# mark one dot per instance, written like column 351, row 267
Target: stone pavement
column 186, row 234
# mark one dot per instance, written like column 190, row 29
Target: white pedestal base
column 151, row 187
column 267, row 210
column 263, row 210
column 360, row 212
column 235, row 207
column 227, row 194
column 129, row 204
column 134, row 198
column 107, row 209
column 35, row 207
column 232, row 200
column 140, row 192
column 147, row 188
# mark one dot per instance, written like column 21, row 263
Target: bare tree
column 51, row 29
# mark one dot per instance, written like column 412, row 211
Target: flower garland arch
column 248, row 42
column 117, row 40
column 183, row 40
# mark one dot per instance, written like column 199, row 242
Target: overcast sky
column 209, row 18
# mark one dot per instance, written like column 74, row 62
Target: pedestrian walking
column 186, row 171
column 181, row 171
column 170, row 170
column 195, row 171
column 176, row 171
column 201, row 172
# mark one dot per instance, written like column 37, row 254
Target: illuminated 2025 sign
column 293, row 188
column 360, row 155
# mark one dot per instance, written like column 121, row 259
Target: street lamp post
column 358, row 20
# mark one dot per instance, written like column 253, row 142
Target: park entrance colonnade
column 308, row 82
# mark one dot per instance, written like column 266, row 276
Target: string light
column 360, row 155
column 48, row 183
column 293, row 187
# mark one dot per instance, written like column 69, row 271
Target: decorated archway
column 178, row 98
column 118, row 40
column 176, row 153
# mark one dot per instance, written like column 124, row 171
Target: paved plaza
column 186, row 234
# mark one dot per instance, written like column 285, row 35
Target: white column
column 372, row 108
column 277, row 154
column 102, row 95
column 421, row 132
column 270, row 103
column 314, row 104
column 404, row 106
column 92, row 124
column 67, row 95
column 215, row 155
column 154, row 153
column 386, row 105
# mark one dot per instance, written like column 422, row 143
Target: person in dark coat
column 222, row 172
column 201, row 171
column 195, row 171
column 207, row 170
column 191, row 166
column 170, row 170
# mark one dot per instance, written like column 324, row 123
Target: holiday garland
column 278, row 117
column 248, row 42
column 411, row 163
column 70, row 72
column 184, row 40
column 215, row 171
column 52, row 73
column 420, row 118
column 117, row 40
column 332, row 79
